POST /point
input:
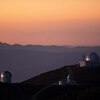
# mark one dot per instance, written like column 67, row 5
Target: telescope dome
column 93, row 57
column 6, row 77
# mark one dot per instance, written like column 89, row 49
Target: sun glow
column 50, row 21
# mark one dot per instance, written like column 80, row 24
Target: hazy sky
column 50, row 22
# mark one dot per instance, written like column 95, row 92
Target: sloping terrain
column 82, row 75
column 50, row 77
column 41, row 87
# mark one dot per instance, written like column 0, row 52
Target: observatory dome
column 93, row 57
column 5, row 74
column 6, row 77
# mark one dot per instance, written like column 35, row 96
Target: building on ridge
column 5, row 77
column 91, row 60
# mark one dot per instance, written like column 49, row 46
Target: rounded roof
column 6, row 73
column 93, row 57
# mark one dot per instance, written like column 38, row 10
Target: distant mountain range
column 26, row 61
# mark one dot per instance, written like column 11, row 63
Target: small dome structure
column 6, row 77
column 93, row 57
column 70, row 81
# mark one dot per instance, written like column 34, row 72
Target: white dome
column 6, row 74
column 6, row 77
column 93, row 57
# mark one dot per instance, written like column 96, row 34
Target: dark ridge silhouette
column 57, row 92
column 88, row 79
column 86, row 75
column 50, row 77
column 82, row 75
column 19, row 91
column 41, row 87
column 90, row 94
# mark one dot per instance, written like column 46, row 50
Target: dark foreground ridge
column 82, row 75
column 42, row 87
column 54, row 92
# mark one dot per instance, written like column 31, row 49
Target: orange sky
column 50, row 22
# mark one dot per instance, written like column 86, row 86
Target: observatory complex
column 88, row 65
column 91, row 60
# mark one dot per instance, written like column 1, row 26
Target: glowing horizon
column 50, row 22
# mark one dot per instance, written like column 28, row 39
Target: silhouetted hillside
column 14, row 91
column 42, row 88
column 26, row 61
column 82, row 75
column 42, row 92
column 48, row 77
column 27, row 92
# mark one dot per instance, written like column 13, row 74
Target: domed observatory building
column 5, row 77
column 91, row 60
column 68, row 81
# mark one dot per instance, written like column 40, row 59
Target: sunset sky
column 50, row 22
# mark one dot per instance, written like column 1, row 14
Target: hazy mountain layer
column 27, row 61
